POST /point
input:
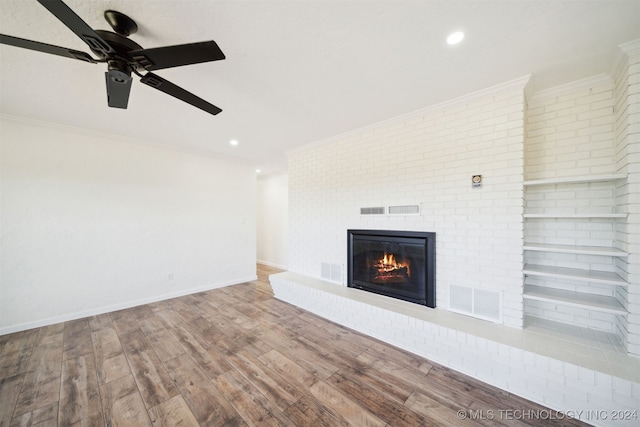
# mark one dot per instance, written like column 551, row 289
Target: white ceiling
column 298, row 71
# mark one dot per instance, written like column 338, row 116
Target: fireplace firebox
column 398, row 264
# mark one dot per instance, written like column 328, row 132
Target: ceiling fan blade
column 175, row 56
column 169, row 88
column 77, row 25
column 46, row 48
column 118, row 89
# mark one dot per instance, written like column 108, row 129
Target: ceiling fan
column 123, row 56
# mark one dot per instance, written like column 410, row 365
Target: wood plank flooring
column 233, row 357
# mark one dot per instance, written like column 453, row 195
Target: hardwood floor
column 234, row 356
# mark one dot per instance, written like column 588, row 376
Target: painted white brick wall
column 570, row 134
column 429, row 156
column 627, row 158
column 426, row 157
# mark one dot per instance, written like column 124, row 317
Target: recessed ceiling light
column 455, row 38
column 257, row 170
column 233, row 142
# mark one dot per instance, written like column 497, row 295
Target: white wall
column 91, row 223
column 273, row 217
column 427, row 157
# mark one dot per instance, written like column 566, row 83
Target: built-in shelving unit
column 551, row 281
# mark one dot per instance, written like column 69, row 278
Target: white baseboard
column 272, row 264
column 127, row 304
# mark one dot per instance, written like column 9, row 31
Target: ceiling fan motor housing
column 120, row 71
column 119, row 43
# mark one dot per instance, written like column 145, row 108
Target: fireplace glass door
column 392, row 263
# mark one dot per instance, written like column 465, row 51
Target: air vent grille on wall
column 378, row 210
column 331, row 272
column 474, row 302
column 486, row 304
column 404, row 210
column 461, row 299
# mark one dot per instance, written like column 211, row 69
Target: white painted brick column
column 627, row 139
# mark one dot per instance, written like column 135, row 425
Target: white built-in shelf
column 570, row 215
column 551, row 292
column 600, row 303
column 592, row 276
column 573, row 249
column 575, row 333
column 576, row 179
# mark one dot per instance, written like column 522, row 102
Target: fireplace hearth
column 398, row 264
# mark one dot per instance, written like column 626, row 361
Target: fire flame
column 389, row 263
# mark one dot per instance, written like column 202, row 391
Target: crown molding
column 622, row 55
column 586, row 83
column 630, row 48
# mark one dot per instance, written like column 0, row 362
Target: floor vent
column 378, row 210
column 331, row 272
column 404, row 210
column 475, row 302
